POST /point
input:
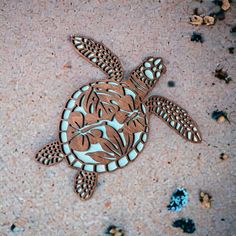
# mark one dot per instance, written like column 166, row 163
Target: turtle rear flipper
column 85, row 184
column 50, row 154
column 100, row 56
column 175, row 117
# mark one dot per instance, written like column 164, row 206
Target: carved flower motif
column 81, row 135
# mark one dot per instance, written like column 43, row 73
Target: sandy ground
column 35, row 86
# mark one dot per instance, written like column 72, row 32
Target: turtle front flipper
column 100, row 56
column 85, row 184
column 145, row 76
column 50, row 154
column 175, row 117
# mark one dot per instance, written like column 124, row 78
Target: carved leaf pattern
column 104, row 102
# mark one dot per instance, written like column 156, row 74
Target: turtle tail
column 50, row 154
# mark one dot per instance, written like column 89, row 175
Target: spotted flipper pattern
column 50, row 154
column 85, row 184
column 100, row 56
column 175, row 117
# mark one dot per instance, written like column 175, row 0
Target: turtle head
column 146, row 75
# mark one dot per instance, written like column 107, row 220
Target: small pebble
column 171, row 83
column 178, row 200
column 233, row 29
column 18, row 225
column 222, row 75
column 218, row 2
column 225, row 5
column 196, row 20
column 114, row 231
column 219, row 116
column 15, row 228
column 67, row 65
column 200, row 20
column 205, row 199
column 220, row 15
column 186, row 224
column 197, row 37
column 209, row 20
column 224, row 156
column 231, row 50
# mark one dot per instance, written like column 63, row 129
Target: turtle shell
column 104, row 126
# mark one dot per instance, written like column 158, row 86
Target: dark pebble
column 186, row 224
column 171, row 83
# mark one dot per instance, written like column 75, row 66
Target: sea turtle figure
column 105, row 124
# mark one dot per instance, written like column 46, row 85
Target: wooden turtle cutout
column 105, row 124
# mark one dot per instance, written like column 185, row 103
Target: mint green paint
column 158, row 74
column 157, row 109
column 85, row 88
column 130, row 92
column 147, row 64
column 149, row 74
column 110, row 71
column 189, row 135
column 160, row 66
column 144, row 138
column 101, row 168
column 140, row 147
column 80, row 109
column 112, row 166
column 77, row 164
column 123, row 161
column 76, row 95
column 123, row 138
column 85, row 158
column 63, row 137
column 114, row 102
column 132, row 155
column 88, row 167
column 94, row 59
column 90, row 55
column 172, row 123
column 157, row 61
column 164, row 116
column 136, row 137
column 66, row 114
column 144, row 109
column 177, row 125
column 71, row 104
column 64, row 125
column 115, row 124
column 113, row 83
column 154, row 69
column 80, row 46
column 92, row 108
column 66, row 148
column 71, row 158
